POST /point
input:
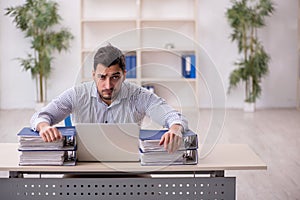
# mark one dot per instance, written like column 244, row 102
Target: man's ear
column 124, row 73
column 94, row 75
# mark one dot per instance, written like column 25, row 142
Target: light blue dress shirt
column 131, row 105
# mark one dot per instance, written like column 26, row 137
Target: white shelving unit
column 145, row 28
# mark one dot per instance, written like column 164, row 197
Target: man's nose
column 107, row 83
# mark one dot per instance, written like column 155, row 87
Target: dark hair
column 108, row 56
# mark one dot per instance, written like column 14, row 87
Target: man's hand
column 172, row 139
column 48, row 133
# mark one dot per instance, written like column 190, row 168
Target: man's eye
column 101, row 77
column 115, row 77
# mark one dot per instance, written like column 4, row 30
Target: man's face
column 108, row 81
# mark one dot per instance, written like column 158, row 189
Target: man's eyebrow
column 116, row 73
column 101, row 75
column 113, row 74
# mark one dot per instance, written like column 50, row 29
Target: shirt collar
column 123, row 94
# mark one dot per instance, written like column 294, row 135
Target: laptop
column 107, row 142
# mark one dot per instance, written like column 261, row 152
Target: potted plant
column 246, row 17
column 37, row 18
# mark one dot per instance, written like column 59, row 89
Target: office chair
column 68, row 121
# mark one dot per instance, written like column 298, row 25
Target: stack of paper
column 151, row 153
column 39, row 157
column 37, row 143
column 34, row 151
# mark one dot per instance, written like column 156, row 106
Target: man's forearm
column 55, row 111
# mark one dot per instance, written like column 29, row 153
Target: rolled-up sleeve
column 57, row 110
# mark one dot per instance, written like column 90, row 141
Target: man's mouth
column 110, row 91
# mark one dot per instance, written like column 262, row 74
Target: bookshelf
column 157, row 33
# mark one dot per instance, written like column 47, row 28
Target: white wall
column 279, row 38
column 17, row 89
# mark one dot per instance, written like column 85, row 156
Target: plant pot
column 249, row 106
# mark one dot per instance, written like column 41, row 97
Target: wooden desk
column 127, row 180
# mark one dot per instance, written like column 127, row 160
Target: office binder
column 151, row 153
column 133, row 66
column 34, row 151
column 130, row 61
column 55, row 157
column 180, row 157
column 189, row 66
column 149, row 140
column 128, row 66
column 31, row 140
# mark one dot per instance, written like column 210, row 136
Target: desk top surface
column 223, row 157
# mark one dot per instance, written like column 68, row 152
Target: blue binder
column 32, row 147
column 188, row 66
column 65, row 131
column 133, row 66
column 151, row 153
column 128, row 66
column 130, row 62
column 190, row 139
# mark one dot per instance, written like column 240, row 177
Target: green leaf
column 36, row 19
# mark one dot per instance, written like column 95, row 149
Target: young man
column 110, row 99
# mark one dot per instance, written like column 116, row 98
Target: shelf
column 180, row 80
column 167, row 9
column 173, row 19
column 118, row 20
column 103, row 20
column 105, row 9
column 91, row 50
column 156, row 80
column 174, row 51
column 149, row 50
column 95, row 34
column 159, row 33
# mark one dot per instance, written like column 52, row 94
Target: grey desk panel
column 200, row 188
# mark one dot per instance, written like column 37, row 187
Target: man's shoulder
column 85, row 87
column 134, row 89
column 131, row 87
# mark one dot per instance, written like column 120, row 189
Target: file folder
column 31, row 140
column 180, row 157
column 130, row 62
column 34, row 151
column 189, row 66
column 151, row 153
column 149, row 140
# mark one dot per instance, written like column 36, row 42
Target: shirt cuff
column 184, row 128
column 37, row 121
